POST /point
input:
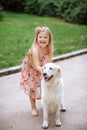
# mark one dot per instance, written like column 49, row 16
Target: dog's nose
column 44, row 74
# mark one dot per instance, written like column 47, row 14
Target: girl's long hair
column 50, row 45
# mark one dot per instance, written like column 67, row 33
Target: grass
column 17, row 35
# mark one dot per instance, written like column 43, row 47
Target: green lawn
column 17, row 35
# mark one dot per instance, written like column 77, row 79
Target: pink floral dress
column 30, row 81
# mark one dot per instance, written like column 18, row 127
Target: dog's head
column 50, row 70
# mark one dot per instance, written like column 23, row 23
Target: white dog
column 52, row 93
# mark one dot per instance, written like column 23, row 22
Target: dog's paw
column 45, row 125
column 63, row 109
column 58, row 123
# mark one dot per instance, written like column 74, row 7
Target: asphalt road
column 15, row 111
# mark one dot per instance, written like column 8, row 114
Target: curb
column 69, row 55
column 17, row 69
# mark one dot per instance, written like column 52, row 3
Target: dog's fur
column 52, row 93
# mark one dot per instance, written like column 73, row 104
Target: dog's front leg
column 63, row 109
column 45, row 116
column 57, row 116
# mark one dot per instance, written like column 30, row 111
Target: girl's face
column 43, row 39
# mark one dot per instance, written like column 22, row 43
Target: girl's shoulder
column 34, row 50
column 34, row 47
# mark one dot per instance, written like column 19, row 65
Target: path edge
column 17, row 69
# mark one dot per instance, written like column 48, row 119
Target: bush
column 40, row 7
column 47, row 8
column 1, row 13
column 62, row 6
column 31, row 6
column 76, row 12
column 13, row 5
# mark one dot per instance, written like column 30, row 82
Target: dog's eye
column 44, row 67
column 50, row 68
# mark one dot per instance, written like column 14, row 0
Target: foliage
column 1, row 13
column 31, row 6
column 13, row 5
column 17, row 35
column 74, row 11
column 47, row 8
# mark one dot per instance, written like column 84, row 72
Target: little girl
column 39, row 54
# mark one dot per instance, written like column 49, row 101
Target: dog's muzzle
column 47, row 78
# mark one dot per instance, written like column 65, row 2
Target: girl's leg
column 33, row 105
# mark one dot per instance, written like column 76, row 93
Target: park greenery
column 67, row 20
column 74, row 11
column 17, row 35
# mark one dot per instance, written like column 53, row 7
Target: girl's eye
column 40, row 37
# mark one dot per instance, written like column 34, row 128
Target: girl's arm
column 35, row 59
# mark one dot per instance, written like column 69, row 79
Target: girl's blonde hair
column 50, row 45
column 47, row 30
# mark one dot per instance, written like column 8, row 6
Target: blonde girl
column 39, row 54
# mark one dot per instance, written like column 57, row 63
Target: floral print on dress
column 30, row 80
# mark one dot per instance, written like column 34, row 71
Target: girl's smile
column 43, row 39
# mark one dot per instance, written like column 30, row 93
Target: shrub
column 13, row 5
column 62, row 6
column 1, row 13
column 31, row 6
column 76, row 12
column 40, row 7
column 47, row 8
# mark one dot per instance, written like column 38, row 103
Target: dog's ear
column 58, row 70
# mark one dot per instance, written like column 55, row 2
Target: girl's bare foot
column 34, row 112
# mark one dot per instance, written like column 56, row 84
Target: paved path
column 15, row 107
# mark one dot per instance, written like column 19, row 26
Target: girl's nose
column 42, row 39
